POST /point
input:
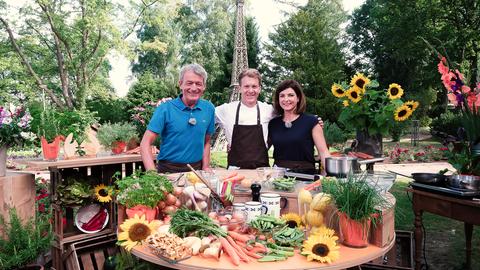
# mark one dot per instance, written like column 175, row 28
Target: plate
column 90, row 209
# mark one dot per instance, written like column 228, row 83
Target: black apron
column 248, row 150
column 164, row 166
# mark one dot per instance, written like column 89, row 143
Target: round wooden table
column 349, row 257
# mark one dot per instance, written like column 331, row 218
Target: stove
column 463, row 193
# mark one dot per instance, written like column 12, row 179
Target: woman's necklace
column 288, row 124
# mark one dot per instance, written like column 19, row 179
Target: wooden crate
column 382, row 233
column 400, row 257
column 90, row 254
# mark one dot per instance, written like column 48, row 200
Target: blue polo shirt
column 182, row 142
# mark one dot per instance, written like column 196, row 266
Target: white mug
column 253, row 210
column 270, row 204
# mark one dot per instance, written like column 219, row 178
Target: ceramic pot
column 150, row 213
column 118, row 147
column 369, row 144
column 355, row 233
column 3, row 160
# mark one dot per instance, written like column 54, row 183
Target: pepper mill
column 256, row 192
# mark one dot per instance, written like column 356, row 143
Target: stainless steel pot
column 471, row 182
column 341, row 166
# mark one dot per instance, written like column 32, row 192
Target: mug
column 270, row 204
column 253, row 210
column 238, row 208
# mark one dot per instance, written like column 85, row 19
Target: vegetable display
column 188, row 222
column 284, row 184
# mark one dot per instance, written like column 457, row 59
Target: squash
column 314, row 218
column 320, row 202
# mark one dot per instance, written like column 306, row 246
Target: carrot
column 232, row 253
column 232, row 174
column 240, row 237
column 313, row 185
column 258, row 249
column 235, row 178
column 240, row 253
column 252, row 254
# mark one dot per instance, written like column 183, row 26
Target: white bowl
column 85, row 208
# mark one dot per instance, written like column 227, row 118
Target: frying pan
column 426, row 178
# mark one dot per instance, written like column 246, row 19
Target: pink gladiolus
column 442, row 68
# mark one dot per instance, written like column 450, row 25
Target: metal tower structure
column 240, row 63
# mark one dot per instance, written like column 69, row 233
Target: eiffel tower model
column 240, row 63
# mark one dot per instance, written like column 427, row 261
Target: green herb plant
column 187, row 222
column 142, row 188
column 355, row 197
column 109, row 133
column 25, row 240
column 73, row 192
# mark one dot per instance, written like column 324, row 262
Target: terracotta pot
column 118, row 147
column 150, row 213
column 355, row 233
column 51, row 150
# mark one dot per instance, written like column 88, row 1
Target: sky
column 267, row 14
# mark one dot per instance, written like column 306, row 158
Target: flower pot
column 118, row 147
column 355, row 233
column 3, row 160
column 50, row 150
column 150, row 213
column 369, row 144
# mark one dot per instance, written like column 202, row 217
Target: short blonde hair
column 252, row 73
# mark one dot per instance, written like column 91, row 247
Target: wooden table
column 464, row 210
column 349, row 257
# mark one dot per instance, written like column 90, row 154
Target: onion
column 170, row 209
column 178, row 203
column 161, row 205
column 171, row 199
column 177, row 191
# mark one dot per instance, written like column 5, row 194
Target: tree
column 307, row 48
column 63, row 45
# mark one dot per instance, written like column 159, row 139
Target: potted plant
column 142, row 191
column 357, row 203
column 115, row 136
column 24, row 241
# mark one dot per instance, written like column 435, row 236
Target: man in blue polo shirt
column 185, row 125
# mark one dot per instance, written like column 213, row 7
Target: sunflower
column 338, row 91
column 103, row 193
column 345, row 103
column 136, row 229
column 394, row 91
column 323, row 230
column 360, row 81
column 402, row 113
column 354, row 95
column 321, row 247
column 292, row 220
column 413, row 105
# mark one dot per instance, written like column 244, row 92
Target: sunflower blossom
column 338, row 91
column 402, row 113
column 103, row 193
column 135, row 230
column 322, row 248
column 292, row 220
column 360, row 81
column 394, row 91
column 354, row 95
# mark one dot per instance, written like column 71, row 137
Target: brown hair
column 252, row 73
column 301, row 105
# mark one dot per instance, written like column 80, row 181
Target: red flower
column 443, row 149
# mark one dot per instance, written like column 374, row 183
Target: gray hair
column 195, row 68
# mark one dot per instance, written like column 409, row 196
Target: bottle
column 256, row 192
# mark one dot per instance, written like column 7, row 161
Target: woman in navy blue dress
column 294, row 134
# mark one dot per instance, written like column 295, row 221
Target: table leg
column 418, row 233
column 468, row 245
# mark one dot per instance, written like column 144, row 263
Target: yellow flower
column 103, row 193
column 345, row 103
column 394, row 91
column 354, row 95
column 360, row 81
column 292, row 220
column 413, row 105
column 338, row 91
column 323, row 230
column 402, row 113
column 135, row 230
column 322, row 248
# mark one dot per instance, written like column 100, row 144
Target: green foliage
column 109, row 110
column 470, row 121
column 398, row 129
column 307, row 47
column 146, row 89
column 354, row 196
column 76, row 122
column 461, row 158
column 448, row 122
column 109, row 133
column 145, row 188
column 333, row 134
column 185, row 222
column 26, row 241
column 73, row 192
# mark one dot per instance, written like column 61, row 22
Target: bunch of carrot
column 233, row 177
column 236, row 247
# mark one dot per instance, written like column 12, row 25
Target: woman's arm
column 320, row 144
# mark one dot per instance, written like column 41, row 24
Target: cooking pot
column 471, row 182
column 341, row 166
column 426, row 178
